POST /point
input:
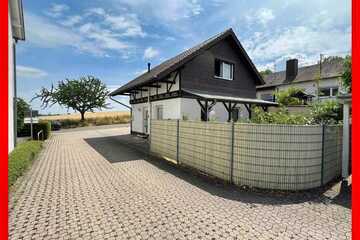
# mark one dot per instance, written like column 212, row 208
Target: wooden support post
column 248, row 108
column 206, row 110
column 229, row 112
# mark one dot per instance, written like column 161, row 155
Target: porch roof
column 207, row 96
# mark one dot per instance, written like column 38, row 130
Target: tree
column 83, row 95
column 22, row 107
column 346, row 76
column 289, row 96
column 265, row 72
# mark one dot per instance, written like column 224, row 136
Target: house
column 214, row 80
column 16, row 32
column 329, row 73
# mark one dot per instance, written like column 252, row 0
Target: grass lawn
column 21, row 158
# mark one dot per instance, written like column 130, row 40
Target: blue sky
column 114, row 39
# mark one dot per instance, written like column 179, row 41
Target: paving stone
column 95, row 184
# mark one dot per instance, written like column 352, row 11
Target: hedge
column 21, row 158
column 45, row 126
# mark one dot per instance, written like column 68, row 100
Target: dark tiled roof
column 330, row 68
column 171, row 64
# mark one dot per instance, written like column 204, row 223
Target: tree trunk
column 82, row 116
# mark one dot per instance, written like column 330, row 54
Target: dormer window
column 224, row 70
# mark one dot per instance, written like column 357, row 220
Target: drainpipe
column 150, row 112
column 130, row 108
column 15, row 96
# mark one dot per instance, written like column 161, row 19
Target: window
column 267, row 97
column 224, row 70
column 159, row 112
column 334, row 92
column 328, row 92
column 325, row 92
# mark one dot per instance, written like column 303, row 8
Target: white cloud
column 89, row 38
column 296, row 40
column 150, row 53
column 57, row 10
column 128, row 23
column 30, row 72
column 166, row 10
column 98, row 11
column 71, row 21
column 304, row 43
column 103, row 37
column 262, row 15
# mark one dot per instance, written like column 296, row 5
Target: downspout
column 15, row 96
column 150, row 111
column 130, row 108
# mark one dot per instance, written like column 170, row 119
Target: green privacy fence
column 288, row 157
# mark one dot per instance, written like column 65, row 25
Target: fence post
column 232, row 152
column 177, row 141
column 322, row 153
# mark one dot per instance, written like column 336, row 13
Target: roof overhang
column 17, row 19
column 207, row 96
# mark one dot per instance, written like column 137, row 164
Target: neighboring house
column 16, row 32
column 305, row 78
column 215, row 80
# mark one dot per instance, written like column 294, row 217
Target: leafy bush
column 21, row 158
column 346, row 76
column 42, row 125
column 280, row 117
column 22, row 108
column 288, row 97
column 326, row 112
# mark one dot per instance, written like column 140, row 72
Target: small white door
column 145, row 120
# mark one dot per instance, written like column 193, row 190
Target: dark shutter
column 217, row 67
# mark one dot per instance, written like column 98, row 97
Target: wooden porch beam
column 248, row 107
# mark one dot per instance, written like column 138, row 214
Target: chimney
column 149, row 64
column 291, row 69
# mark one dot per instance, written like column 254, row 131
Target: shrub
column 21, row 158
column 42, row 125
column 280, row 117
column 326, row 112
column 288, row 97
column 22, row 107
column 346, row 76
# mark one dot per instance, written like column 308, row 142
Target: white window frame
column 331, row 92
column 222, row 64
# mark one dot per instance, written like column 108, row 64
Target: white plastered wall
column 309, row 87
column 11, row 76
column 181, row 108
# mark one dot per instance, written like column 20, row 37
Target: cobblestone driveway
column 91, row 185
